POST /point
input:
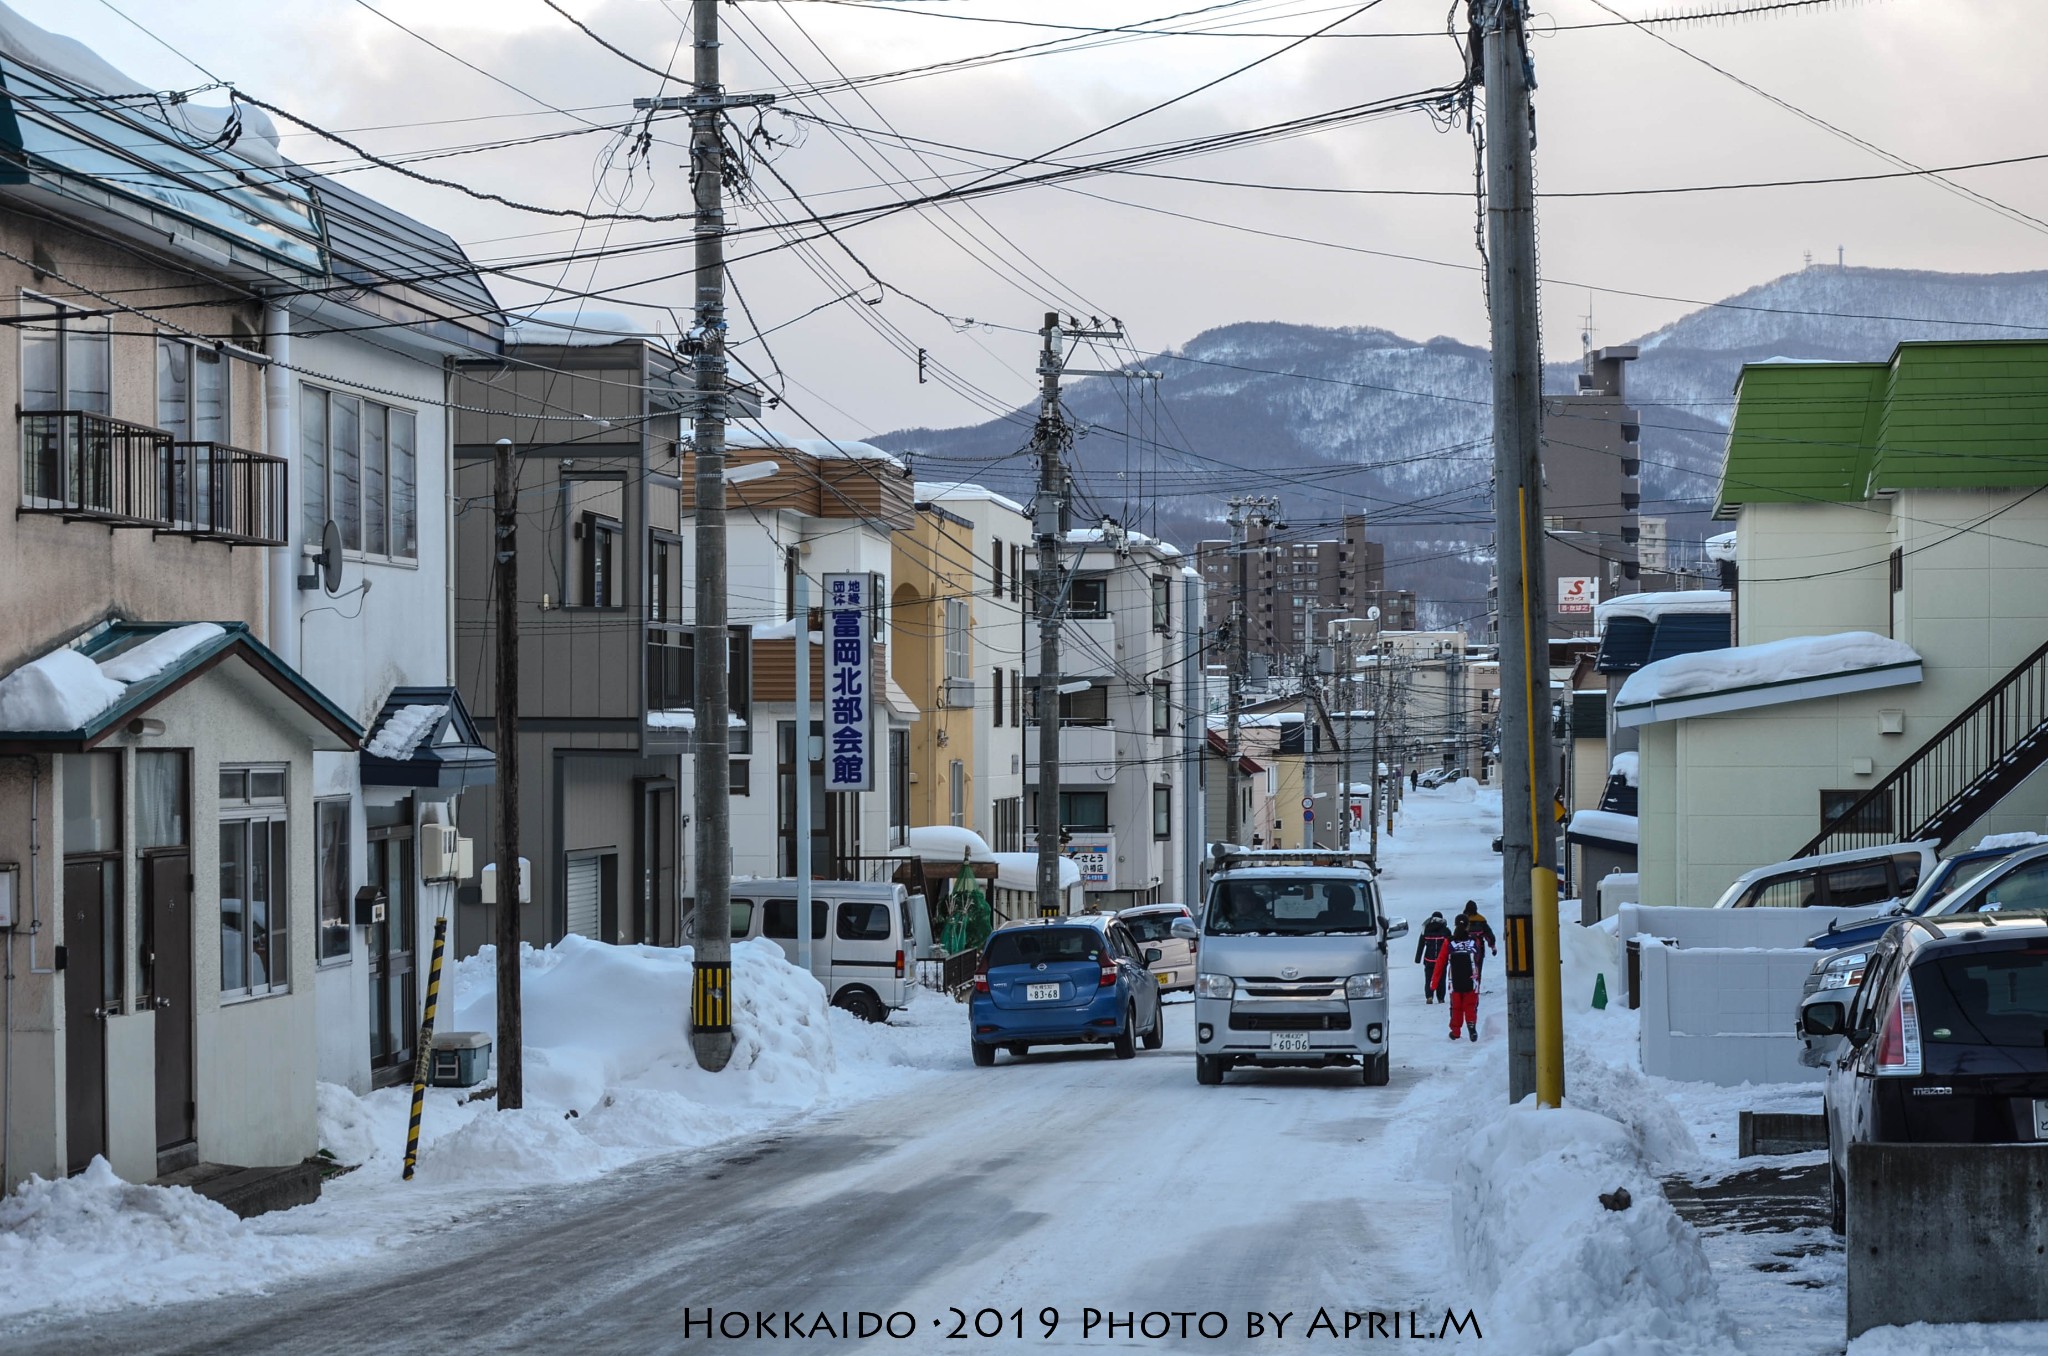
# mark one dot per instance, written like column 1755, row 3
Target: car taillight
column 980, row 974
column 1108, row 975
column 1898, row 1049
column 899, row 963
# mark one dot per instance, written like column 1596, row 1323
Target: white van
column 862, row 941
column 1838, row 880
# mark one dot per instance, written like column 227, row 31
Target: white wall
column 1811, row 569
column 1723, row 1016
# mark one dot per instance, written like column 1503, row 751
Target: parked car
column 1293, row 965
column 1077, row 980
column 1949, row 875
column 1151, row 925
column 1942, row 1042
column 1833, row 879
column 862, row 938
column 1440, row 776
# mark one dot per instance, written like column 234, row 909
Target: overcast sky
column 1940, row 82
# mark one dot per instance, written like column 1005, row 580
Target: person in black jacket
column 1435, row 935
column 1482, row 933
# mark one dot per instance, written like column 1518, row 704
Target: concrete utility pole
column 711, row 975
column 1051, row 437
column 510, row 877
column 1244, row 511
column 1528, row 764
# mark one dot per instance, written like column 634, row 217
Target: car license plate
column 2041, row 1118
column 1039, row 993
column 1164, row 976
column 1290, row 1040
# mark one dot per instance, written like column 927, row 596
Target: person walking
column 1458, row 963
column 1436, row 934
column 1482, row 932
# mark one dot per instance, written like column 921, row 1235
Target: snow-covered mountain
column 1335, row 419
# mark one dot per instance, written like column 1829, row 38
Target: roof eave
column 1754, row 695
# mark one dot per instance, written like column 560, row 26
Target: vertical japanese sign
column 849, row 676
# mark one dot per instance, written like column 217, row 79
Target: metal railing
column 1950, row 781
column 92, row 467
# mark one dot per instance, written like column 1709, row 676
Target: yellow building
column 931, row 655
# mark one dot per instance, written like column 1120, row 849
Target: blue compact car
column 1078, row 980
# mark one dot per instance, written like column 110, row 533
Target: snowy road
column 1069, row 1181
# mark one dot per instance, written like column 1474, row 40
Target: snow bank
column 97, row 1241
column 2015, row 841
column 1627, row 765
column 1463, row 791
column 1777, row 661
column 1603, row 824
column 1567, row 1272
column 1651, row 606
column 1953, row 1339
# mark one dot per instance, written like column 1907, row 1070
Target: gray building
column 1294, row 585
column 1591, row 489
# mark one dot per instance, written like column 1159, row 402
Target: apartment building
column 1295, row 585
column 1591, row 492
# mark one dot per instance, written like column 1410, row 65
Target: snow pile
column 686, row 720
column 1777, row 661
column 945, row 843
column 1462, row 791
column 93, row 1241
column 944, row 490
column 402, row 733
column 1019, row 871
column 1953, row 1339
column 1606, row 825
column 1567, row 1271
column 1627, row 765
column 66, row 690
column 2014, row 841
column 1651, row 606
column 1721, row 546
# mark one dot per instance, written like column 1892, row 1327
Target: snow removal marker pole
column 423, row 1067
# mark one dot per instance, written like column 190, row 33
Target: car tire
column 1209, row 1070
column 861, row 1004
column 984, row 1055
column 1838, row 1202
column 1156, row 1037
column 1127, row 1039
column 1378, row 1068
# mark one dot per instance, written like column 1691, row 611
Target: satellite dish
column 329, row 559
column 1371, row 613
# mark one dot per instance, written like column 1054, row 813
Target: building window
column 1089, row 706
column 1016, row 697
column 65, row 362
column 255, row 883
column 599, row 538
column 956, row 793
column 191, row 392
column 1016, row 573
column 1162, row 812
column 1084, row 810
column 899, row 787
column 360, row 466
column 996, row 687
column 995, row 568
column 1088, row 598
column 592, row 524
column 957, row 654
column 1009, row 824
column 1162, row 706
column 739, row 776
column 330, row 876
column 1162, row 606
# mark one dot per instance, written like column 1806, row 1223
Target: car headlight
column 1366, row 986
column 1215, row 986
column 1843, row 972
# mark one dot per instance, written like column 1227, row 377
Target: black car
column 1944, row 1039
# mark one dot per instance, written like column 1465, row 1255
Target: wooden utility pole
column 1049, row 510
column 1528, row 766
column 510, row 877
column 711, row 960
column 1245, row 510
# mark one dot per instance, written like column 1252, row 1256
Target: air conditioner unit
column 439, row 845
column 957, row 693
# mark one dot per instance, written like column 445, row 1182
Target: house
column 1891, row 539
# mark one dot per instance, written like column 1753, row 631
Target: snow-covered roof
column 1651, row 606
column 1721, row 546
column 1019, row 871
column 1626, row 767
column 946, row 843
column 1096, row 536
column 66, row 690
column 686, row 720
column 1746, row 676
column 574, row 329
column 1605, row 825
column 956, row 491
column 821, row 449
column 402, row 732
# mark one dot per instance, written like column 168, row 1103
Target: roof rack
column 1229, row 856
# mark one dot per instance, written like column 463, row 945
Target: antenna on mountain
column 1809, row 258
column 1586, row 333
column 1838, row 257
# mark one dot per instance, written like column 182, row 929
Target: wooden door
column 167, row 958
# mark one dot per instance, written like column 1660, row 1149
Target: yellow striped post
column 423, row 1067
column 711, row 996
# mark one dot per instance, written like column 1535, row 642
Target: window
column 1162, row 812
column 663, row 555
column 899, row 787
column 1162, row 605
column 600, row 538
column 92, row 853
column 1009, row 824
column 1782, row 892
column 995, row 568
column 1016, row 573
column 255, row 892
column 593, row 517
column 330, row 868
column 996, row 686
column 1865, row 883
column 1089, row 706
column 360, row 467
column 1162, row 706
column 956, row 793
column 739, row 776
column 1088, row 598
column 957, row 662
column 1873, row 818
column 64, row 359
column 191, row 392
column 1084, row 809
column 778, row 919
column 1016, row 697
column 2024, row 887
column 864, row 922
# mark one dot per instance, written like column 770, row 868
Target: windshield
column 1151, row 927
column 1290, row 907
column 1030, row 946
column 1945, row 885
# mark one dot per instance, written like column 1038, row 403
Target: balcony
column 87, row 467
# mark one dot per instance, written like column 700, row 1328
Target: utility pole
column 1051, row 437
column 711, row 963
column 1245, row 510
column 511, row 877
column 1528, row 767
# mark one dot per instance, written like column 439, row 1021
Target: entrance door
column 91, row 902
column 584, row 896
column 167, row 958
column 394, row 981
column 654, row 901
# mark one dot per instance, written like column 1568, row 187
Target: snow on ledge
column 403, row 732
column 1651, row 606
column 1605, row 825
column 947, row 843
column 66, row 690
column 1627, row 765
column 1747, row 668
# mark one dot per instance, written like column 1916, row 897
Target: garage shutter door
column 584, row 875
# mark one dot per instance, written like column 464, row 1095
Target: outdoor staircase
column 1948, row 783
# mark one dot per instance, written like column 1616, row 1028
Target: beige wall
column 1809, row 569
column 931, row 562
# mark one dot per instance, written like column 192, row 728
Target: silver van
column 1292, row 965
column 1840, row 880
column 863, row 944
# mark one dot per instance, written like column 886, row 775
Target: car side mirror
column 1822, row 1019
column 1153, row 955
column 1185, row 929
column 1396, row 927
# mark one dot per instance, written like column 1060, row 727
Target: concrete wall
column 1722, row 1016
column 1773, row 928
column 1949, row 1233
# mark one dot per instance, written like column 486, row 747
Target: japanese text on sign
column 848, row 678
